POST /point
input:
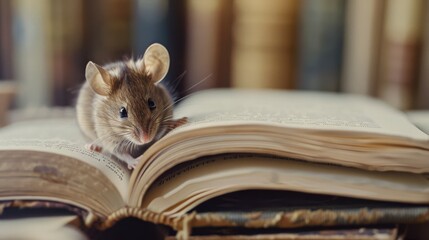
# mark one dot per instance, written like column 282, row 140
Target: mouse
column 123, row 107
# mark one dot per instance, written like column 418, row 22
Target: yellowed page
column 309, row 110
column 62, row 136
column 420, row 118
column 192, row 183
column 340, row 129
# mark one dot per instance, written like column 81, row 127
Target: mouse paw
column 177, row 123
column 181, row 121
column 93, row 147
column 131, row 162
column 131, row 166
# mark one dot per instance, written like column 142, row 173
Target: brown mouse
column 123, row 108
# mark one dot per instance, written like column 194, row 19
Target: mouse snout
column 143, row 136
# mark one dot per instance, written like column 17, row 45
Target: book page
column 191, row 183
column 62, row 136
column 420, row 118
column 309, row 110
column 341, row 129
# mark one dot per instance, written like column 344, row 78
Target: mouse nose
column 144, row 137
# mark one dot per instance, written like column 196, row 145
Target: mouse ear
column 98, row 78
column 156, row 62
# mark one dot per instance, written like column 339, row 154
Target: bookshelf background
column 373, row 47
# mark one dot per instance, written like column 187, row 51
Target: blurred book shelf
column 377, row 48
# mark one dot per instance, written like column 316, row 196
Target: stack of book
column 266, row 163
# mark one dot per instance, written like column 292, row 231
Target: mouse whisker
column 127, row 146
column 199, row 82
column 157, row 120
column 172, row 104
column 184, row 97
column 172, row 86
column 105, row 137
column 102, row 139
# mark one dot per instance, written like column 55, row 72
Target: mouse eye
column 123, row 112
column 151, row 104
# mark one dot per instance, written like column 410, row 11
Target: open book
column 308, row 142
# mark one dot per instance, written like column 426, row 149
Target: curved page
column 47, row 158
column 189, row 184
column 339, row 129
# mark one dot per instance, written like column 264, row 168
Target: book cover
column 290, row 210
column 382, row 233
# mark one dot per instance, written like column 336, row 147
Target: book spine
column 311, row 218
column 264, row 43
column 423, row 82
column 32, row 48
column 142, row 214
column 107, row 30
column 400, row 52
column 208, row 33
column 362, row 233
column 361, row 46
column 6, row 42
column 7, row 93
column 67, row 48
column 320, row 44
